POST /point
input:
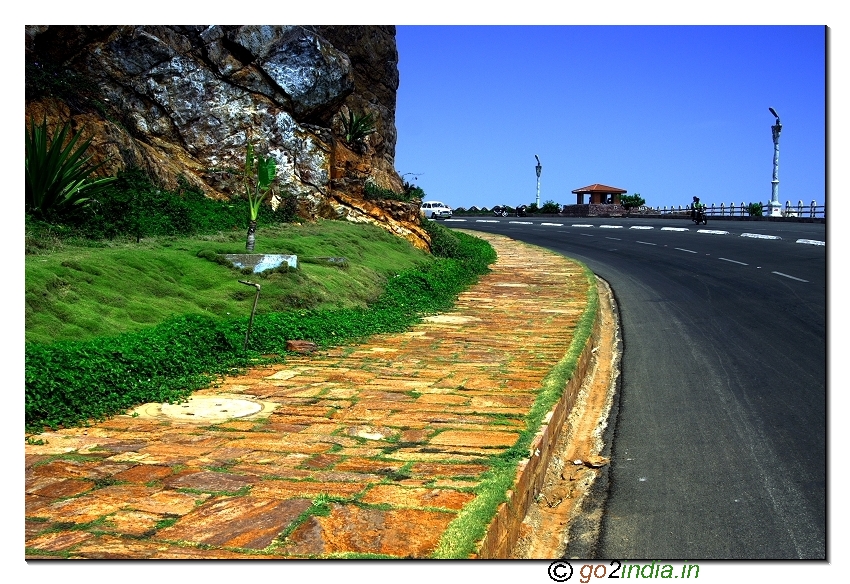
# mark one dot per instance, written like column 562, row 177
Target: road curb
column 504, row 530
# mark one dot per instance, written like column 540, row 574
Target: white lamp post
column 775, row 206
column 538, row 168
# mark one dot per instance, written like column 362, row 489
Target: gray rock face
column 183, row 100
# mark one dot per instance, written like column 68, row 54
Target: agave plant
column 357, row 127
column 260, row 172
column 58, row 174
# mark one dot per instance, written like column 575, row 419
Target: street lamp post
column 538, row 168
column 775, row 205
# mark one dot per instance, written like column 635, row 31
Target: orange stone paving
column 371, row 449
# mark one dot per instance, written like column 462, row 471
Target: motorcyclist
column 695, row 207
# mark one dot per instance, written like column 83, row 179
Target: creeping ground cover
column 112, row 324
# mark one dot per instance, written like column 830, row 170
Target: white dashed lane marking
column 708, row 231
column 787, row 276
column 760, row 236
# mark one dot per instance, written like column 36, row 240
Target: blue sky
column 665, row 111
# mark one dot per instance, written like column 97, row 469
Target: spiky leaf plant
column 357, row 127
column 58, row 175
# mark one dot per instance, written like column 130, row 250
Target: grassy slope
column 83, row 292
column 102, row 367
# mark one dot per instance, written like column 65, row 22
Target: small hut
column 604, row 202
column 599, row 194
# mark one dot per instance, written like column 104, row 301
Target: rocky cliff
column 183, row 100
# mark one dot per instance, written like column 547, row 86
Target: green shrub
column 373, row 192
column 413, row 191
column 133, row 206
column 755, row 209
column 631, row 201
column 550, row 207
column 444, row 242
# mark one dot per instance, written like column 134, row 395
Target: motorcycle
column 698, row 216
column 500, row 211
column 521, row 211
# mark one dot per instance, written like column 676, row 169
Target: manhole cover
column 204, row 408
column 211, row 408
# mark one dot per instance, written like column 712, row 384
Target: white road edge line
column 713, row 231
column 792, row 277
column 646, row 243
column 811, row 241
column 610, row 226
column 683, row 249
column 577, row 225
column 641, row 227
column 733, row 261
column 760, row 236
column 447, row 220
column 674, row 229
column 553, row 224
column 486, row 221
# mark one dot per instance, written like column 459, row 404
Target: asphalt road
column 719, row 442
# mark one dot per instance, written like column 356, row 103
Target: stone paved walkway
column 373, row 449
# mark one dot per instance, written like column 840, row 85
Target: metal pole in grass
column 253, row 310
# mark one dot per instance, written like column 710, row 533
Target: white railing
column 812, row 210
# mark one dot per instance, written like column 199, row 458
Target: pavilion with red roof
column 599, row 194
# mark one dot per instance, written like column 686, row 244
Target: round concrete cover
column 211, row 408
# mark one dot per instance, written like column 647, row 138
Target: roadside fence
column 812, row 210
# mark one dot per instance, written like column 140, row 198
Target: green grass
column 80, row 292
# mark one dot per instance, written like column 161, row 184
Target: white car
column 435, row 210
